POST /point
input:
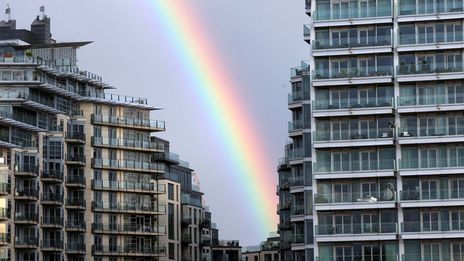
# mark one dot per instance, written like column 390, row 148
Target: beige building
column 266, row 251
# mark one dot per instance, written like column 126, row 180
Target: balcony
column 296, row 154
column 429, row 42
column 439, row 256
column 432, row 229
column 129, row 144
column 75, row 137
column 370, row 256
column 429, row 72
column 143, row 124
column 26, row 242
column 353, row 138
column 128, row 186
column 345, row 46
column 367, row 75
column 296, row 181
column 75, row 181
column 297, row 72
column 5, row 188
column 298, row 239
column 186, row 219
column 52, row 245
column 354, row 169
column 75, row 159
column 76, row 203
column 129, row 165
column 27, row 170
column 296, row 97
column 431, row 103
column 297, row 210
column 128, row 250
column 356, row 232
column 52, row 176
column 75, row 248
column 128, row 229
column 355, row 200
column 429, row 11
column 431, row 198
column 205, row 239
column 350, row 13
column 4, row 239
column 295, row 126
column 52, row 221
column 350, row 107
column 441, row 134
column 442, row 166
column 52, row 199
column 126, row 207
column 307, row 32
column 75, row 225
column 26, row 194
column 27, row 217
column 5, row 214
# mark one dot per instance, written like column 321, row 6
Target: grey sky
column 261, row 40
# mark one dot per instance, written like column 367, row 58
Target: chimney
column 41, row 28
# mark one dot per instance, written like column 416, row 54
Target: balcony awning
column 39, row 106
column 19, row 124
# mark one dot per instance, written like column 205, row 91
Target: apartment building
column 384, row 107
column 266, row 251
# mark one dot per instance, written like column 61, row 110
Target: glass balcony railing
column 295, row 125
column 295, row 97
column 76, row 202
column 52, row 243
column 53, row 197
column 306, row 30
column 431, row 194
column 80, row 136
column 296, row 181
column 408, row 7
column 27, row 216
column 433, row 68
column 355, row 197
column 351, row 11
column 299, row 71
column 5, row 213
column 298, row 238
column 75, row 247
column 52, row 220
column 435, row 163
column 297, row 153
column 436, row 99
column 297, row 209
column 128, row 122
column 27, row 192
column 439, row 256
column 128, row 228
column 27, row 241
column 75, row 180
column 320, row 104
column 349, row 135
column 430, row 132
column 370, row 71
column 407, row 39
column 354, row 166
column 347, row 43
column 128, row 250
column 74, row 224
column 52, row 174
column 126, row 185
column 384, row 257
column 27, row 168
column 78, row 158
column 128, row 165
column 432, row 226
column 127, row 143
column 356, row 228
column 128, row 207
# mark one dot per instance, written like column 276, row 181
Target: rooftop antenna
column 42, row 11
column 8, row 12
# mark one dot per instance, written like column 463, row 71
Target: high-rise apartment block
column 82, row 176
column 375, row 169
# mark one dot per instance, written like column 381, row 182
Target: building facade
column 386, row 100
column 83, row 175
column 268, row 250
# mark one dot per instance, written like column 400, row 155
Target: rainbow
column 255, row 173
